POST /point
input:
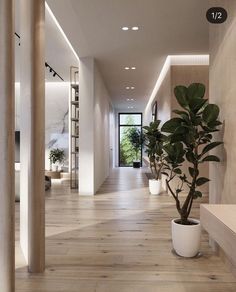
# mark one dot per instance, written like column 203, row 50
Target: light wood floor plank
column 118, row 241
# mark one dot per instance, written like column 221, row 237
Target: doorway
column 129, row 124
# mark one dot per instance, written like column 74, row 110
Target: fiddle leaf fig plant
column 136, row 140
column 190, row 139
column 154, row 141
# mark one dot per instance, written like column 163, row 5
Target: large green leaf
column 176, row 138
column 196, row 90
column 192, row 171
column 201, row 181
column 180, row 130
column 177, row 170
column 211, row 158
column 210, row 113
column 214, row 124
column 171, row 125
column 210, row 147
column 180, row 112
column 181, row 95
column 190, row 156
column 197, row 194
column 175, row 153
column 196, row 104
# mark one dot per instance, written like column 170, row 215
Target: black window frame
column 135, row 125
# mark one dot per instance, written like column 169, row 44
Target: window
column 129, row 124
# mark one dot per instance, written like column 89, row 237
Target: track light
column 51, row 70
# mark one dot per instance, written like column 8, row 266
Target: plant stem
column 174, row 196
column 186, row 208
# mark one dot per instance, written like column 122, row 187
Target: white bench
column 220, row 222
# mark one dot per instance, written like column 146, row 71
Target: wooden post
column 7, row 124
column 32, row 125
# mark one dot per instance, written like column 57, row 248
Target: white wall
column 86, row 127
column 56, row 117
column 101, row 130
column 223, row 93
column 166, row 101
column 95, row 128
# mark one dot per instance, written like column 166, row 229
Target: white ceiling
column 57, row 52
column 167, row 27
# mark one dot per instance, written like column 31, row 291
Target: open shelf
column 74, row 127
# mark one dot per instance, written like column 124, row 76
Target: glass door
column 130, row 126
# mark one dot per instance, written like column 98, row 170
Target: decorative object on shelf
column 154, row 141
column 74, row 127
column 56, row 157
column 154, row 111
column 136, row 140
column 190, row 139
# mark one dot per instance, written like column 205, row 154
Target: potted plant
column 56, row 157
column 190, row 139
column 135, row 138
column 154, row 141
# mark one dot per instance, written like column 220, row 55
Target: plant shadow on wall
column 189, row 138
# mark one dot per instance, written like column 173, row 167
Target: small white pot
column 154, row 186
column 54, row 167
column 186, row 238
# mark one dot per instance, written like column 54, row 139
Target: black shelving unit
column 74, row 127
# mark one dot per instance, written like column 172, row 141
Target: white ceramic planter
column 186, row 238
column 154, row 186
column 54, row 167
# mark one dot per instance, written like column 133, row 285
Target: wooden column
column 7, row 124
column 32, row 127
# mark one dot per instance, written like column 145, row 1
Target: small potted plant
column 190, row 139
column 154, row 141
column 56, row 157
column 135, row 138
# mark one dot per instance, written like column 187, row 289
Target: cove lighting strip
column 175, row 60
column 61, row 30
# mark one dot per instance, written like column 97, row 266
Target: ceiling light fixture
column 126, row 68
column 127, row 87
column 135, row 28
column 133, row 68
column 125, row 28
column 132, row 87
column 128, row 99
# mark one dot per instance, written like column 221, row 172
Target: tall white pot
column 154, row 186
column 186, row 238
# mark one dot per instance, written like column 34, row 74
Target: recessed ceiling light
column 126, row 68
column 127, row 87
column 133, row 68
column 130, row 107
column 135, row 28
column 128, row 99
column 125, row 28
column 131, row 99
column 132, row 87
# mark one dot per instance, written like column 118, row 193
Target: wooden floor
column 118, row 241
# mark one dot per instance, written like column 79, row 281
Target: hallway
column 118, row 241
